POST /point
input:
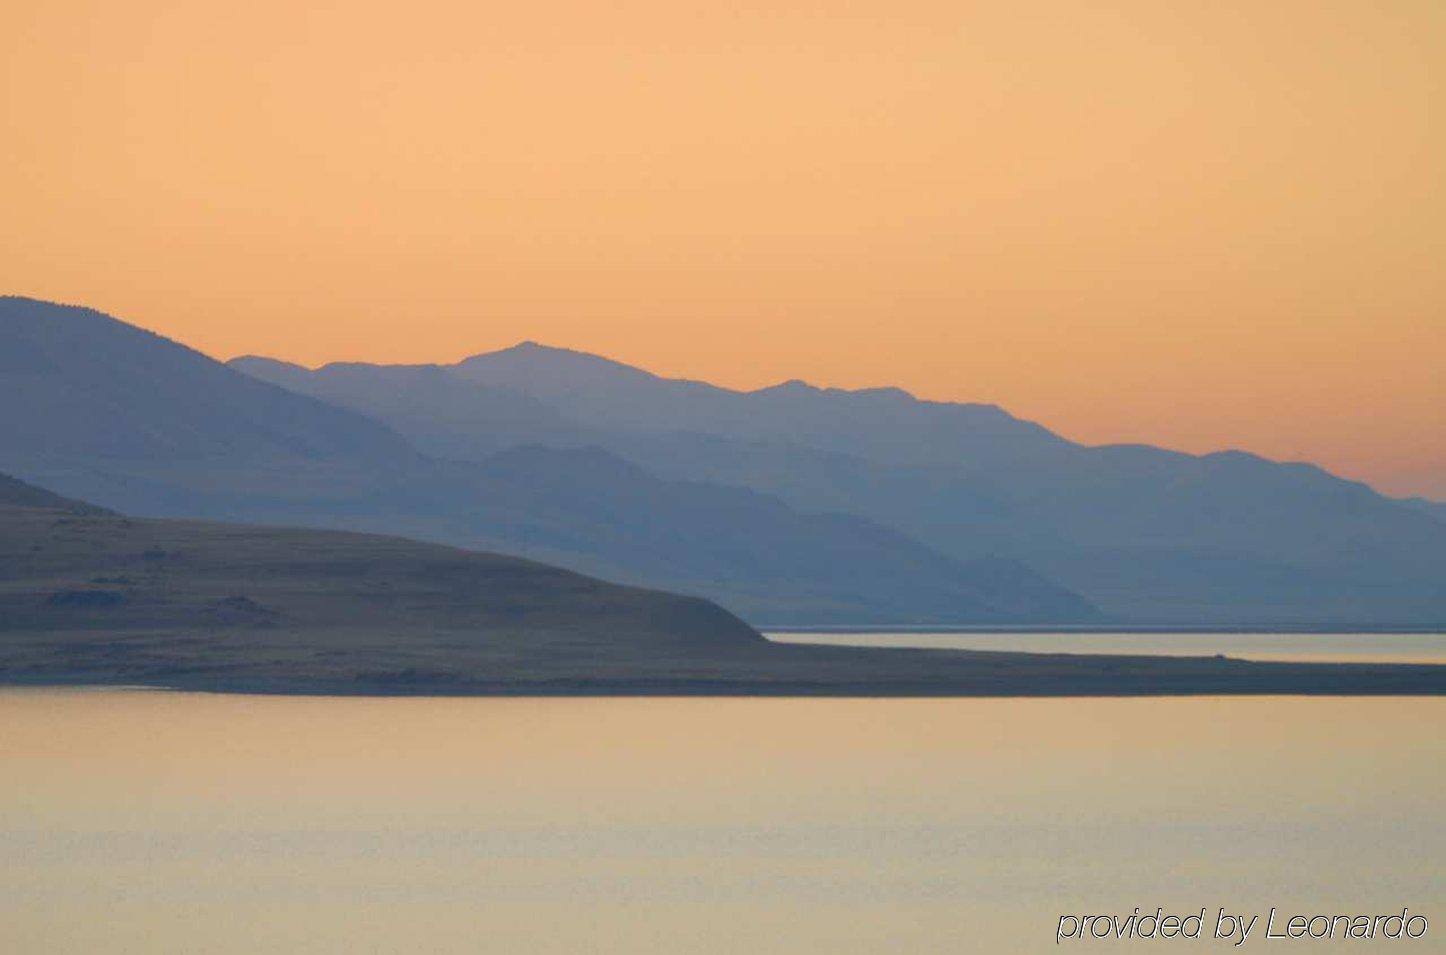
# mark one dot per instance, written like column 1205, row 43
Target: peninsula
column 90, row 597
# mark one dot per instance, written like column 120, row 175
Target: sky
column 1199, row 225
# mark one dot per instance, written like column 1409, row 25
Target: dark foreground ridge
column 92, row 598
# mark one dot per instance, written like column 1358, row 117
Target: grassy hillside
column 95, row 595
column 15, row 493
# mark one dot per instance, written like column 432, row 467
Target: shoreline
column 1091, row 628
column 809, row 671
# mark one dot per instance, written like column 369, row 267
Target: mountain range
column 790, row 505
column 98, row 409
column 1146, row 534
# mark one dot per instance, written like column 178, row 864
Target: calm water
column 156, row 822
column 1319, row 647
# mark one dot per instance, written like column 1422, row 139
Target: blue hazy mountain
column 1145, row 533
column 1436, row 509
column 100, row 410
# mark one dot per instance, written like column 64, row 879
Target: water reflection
column 153, row 821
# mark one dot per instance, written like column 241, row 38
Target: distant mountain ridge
column 119, row 391
column 790, row 504
column 1147, row 534
column 877, row 422
column 103, row 411
column 1436, row 509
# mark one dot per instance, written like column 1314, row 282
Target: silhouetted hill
column 112, row 390
column 1145, row 533
column 101, row 410
column 87, row 595
column 149, row 427
column 93, row 598
column 14, row 493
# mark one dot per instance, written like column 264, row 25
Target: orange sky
column 1196, row 224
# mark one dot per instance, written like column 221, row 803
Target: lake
column 152, row 821
column 1306, row 647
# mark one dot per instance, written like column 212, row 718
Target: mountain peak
column 793, row 386
column 534, row 363
column 264, row 361
column 529, row 348
column 888, row 391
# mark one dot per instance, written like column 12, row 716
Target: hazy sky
column 1201, row 224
